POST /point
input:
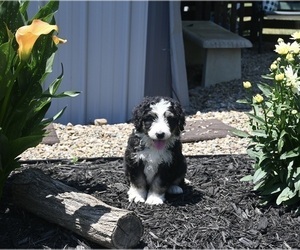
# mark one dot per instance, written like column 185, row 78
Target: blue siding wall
column 104, row 58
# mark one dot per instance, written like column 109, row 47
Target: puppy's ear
column 137, row 118
column 179, row 112
column 139, row 112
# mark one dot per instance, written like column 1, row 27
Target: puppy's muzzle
column 160, row 136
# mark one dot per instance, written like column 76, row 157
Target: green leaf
column 256, row 118
column 260, row 133
column 258, row 185
column 258, row 175
column 265, row 88
column 276, row 188
column 23, row 8
column 297, row 185
column 281, row 141
column 7, row 54
column 55, row 117
column 278, row 110
column 67, row 94
column 243, row 101
column 48, row 67
column 268, row 77
column 11, row 17
column 46, row 13
column 240, row 133
column 19, row 145
column 247, row 178
column 56, row 83
column 254, row 154
column 290, row 154
column 285, row 195
column 42, row 56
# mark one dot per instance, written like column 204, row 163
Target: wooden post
column 79, row 212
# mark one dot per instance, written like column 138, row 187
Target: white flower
column 282, row 48
column 296, row 35
column 292, row 79
column 294, row 47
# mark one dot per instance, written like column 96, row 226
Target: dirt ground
column 216, row 210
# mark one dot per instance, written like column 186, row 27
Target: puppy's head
column 160, row 118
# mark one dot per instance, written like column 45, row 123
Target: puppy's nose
column 160, row 135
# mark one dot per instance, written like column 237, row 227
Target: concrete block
column 217, row 49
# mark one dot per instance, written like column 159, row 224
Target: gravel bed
column 218, row 101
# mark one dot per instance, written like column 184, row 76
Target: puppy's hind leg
column 175, row 189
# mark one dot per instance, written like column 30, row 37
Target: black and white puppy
column 154, row 163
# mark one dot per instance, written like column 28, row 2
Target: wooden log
column 79, row 212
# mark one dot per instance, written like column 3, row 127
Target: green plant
column 27, row 49
column 275, row 128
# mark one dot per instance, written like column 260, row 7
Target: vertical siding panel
column 179, row 78
column 137, row 54
column 73, row 57
column 94, row 47
column 122, row 40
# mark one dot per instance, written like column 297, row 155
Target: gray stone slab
column 201, row 130
column 210, row 35
column 51, row 137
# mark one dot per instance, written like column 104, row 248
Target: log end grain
column 128, row 231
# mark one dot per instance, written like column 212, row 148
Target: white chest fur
column 152, row 158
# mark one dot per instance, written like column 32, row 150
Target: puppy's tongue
column 159, row 144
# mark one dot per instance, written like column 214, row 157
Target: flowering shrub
column 275, row 124
column 27, row 49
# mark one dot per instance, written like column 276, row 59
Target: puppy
column 154, row 163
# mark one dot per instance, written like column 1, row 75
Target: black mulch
column 215, row 211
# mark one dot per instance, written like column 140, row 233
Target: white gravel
column 219, row 102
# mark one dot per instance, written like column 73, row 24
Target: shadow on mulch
column 216, row 210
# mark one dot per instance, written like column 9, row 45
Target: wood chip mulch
column 215, row 211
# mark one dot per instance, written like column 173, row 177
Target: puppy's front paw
column 136, row 194
column 174, row 189
column 155, row 199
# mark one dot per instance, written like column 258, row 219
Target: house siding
column 106, row 59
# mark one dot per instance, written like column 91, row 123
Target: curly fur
column 154, row 163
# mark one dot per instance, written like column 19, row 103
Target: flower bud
column 258, row 98
column 279, row 77
column 280, row 40
column 294, row 112
column 289, row 57
column 273, row 66
column 247, row 85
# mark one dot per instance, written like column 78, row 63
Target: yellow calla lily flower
column 27, row 35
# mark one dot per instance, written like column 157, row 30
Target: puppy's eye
column 148, row 118
column 173, row 121
column 148, row 121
